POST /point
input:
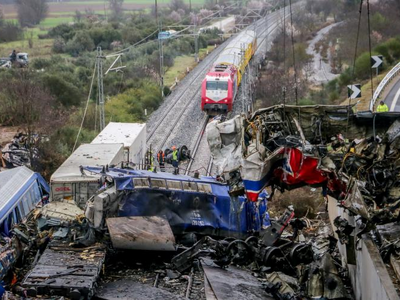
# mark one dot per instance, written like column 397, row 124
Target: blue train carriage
column 21, row 190
column 202, row 206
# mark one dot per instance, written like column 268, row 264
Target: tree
column 116, row 9
column 26, row 103
column 31, row 12
column 178, row 4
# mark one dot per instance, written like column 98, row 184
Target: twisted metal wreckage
column 353, row 157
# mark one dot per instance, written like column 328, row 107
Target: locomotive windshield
column 217, row 85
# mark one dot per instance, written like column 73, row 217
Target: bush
column 10, row 32
column 63, row 31
column 363, row 65
column 41, row 63
column 65, row 91
column 104, row 37
column 58, row 45
column 81, row 42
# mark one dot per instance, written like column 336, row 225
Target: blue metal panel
column 215, row 213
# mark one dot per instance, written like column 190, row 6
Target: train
column 220, row 86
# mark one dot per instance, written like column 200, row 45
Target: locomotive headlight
column 206, row 100
column 226, row 100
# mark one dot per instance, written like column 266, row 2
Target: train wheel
column 240, row 252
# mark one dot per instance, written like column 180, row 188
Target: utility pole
column 100, row 85
column 196, row 41
column 161, row 50
column 156, row 11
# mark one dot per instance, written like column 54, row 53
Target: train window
column 174, row 185
column 158, row 183
column 217, row 85
column 189, row 186
column 204, row 187
column 22, row 209
column 141, row 182
column 18, row 215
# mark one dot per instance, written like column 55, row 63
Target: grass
column 178, row 70
column 149, row 2
column 41, row 48
column 366, row 93
column 53, row 22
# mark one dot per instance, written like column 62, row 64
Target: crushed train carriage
column 202, row 206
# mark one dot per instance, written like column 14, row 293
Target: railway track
column 179, row 120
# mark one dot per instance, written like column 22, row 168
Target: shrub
column 59, row 45
column 363, row 65
column 65, row 91
column 63, row 31
column 41, row 63
column 81, row 42
column 10, row 32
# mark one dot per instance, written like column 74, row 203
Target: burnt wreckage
column 353, row 157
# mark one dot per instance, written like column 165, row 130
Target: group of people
column 161, row 160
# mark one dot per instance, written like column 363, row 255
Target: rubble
column 20, row 151
column 202, row 238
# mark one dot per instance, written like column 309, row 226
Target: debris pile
column 19, row 152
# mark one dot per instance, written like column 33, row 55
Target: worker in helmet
column 382, row 107
column 175, row 162
column 161, row 160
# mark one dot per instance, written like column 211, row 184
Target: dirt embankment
column 6, row 134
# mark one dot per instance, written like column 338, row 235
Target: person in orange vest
column 161, row 160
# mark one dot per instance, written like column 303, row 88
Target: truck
column 132, row 135
column 22, row 61
column 68, row 182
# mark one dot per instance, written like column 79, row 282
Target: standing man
column 175, row 163
column 382, row 107
column 161, row 160
column 13, row 57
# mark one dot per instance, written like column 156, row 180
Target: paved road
column 320, row 70
column 224, row 25
column 392, row 99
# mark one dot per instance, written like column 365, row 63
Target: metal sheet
column 128, row 289
column 233, row 283
column 141, row 233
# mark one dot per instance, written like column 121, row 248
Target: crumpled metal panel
column 141, row 233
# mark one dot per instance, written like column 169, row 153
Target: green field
column 149, row 2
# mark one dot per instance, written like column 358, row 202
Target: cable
column 370, row 48
column 87, row 104
column 284, row 53
column 294, row 56
column 354, row 61
column 356, row 48
column 134, row 45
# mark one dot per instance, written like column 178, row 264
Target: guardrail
column 382, row 85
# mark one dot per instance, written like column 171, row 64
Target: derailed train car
column 292, row 146
column 202, row 206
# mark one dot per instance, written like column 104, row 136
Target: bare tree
column 178, row 4
column 31, row 12
column 26, row 103
column 116, row 9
